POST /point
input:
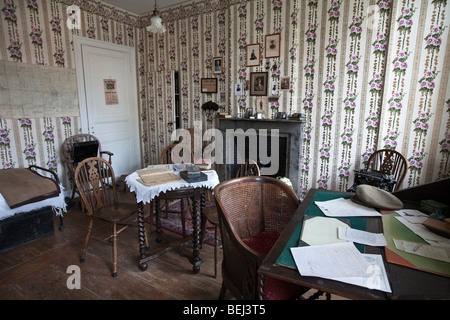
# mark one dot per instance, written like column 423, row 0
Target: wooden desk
column 406, row 283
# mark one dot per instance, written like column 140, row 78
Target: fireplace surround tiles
column 289, row 144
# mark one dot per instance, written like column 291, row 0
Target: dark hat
column 371, row 196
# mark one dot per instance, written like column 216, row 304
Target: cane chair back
column 253, row 212
column 96, row 184
column 389, row 162
column 249, row 168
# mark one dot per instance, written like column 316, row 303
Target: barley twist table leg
column 142, row 247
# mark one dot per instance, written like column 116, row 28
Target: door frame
column 78, row 43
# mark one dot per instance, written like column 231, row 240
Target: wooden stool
column 210, row 215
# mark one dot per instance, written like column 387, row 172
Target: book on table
column 151, row 177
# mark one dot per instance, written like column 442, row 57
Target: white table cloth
column 146, row 194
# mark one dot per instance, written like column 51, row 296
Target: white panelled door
column 114, row 124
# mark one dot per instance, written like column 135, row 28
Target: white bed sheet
column 57, row 203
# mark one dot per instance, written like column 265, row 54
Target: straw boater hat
column 374, row 197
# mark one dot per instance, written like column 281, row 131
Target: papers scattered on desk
column 425, row 234
column 345, row 208
column 342, row 262
column 330, row 260
column 413, row 216
column 363, row 237
column 377, row 279
column 424, row 250
column 321, row 230
column 155, row 176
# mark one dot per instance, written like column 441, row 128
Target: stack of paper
column 414, row 223
column 330, row 253
column 424, row 250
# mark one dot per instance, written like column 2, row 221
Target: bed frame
column 25, row 227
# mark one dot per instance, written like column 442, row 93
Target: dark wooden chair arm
column 109, row 153
column 36, row 168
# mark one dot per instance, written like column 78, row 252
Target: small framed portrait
column 238, row 90
column 253, row 55
column 285, row 83
column 209, row 85
column 281, row 115
column 273, row 44
column 217, row 64
column 259, row 83
column 262, row 106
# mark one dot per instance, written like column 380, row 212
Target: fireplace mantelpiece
column 292, row 130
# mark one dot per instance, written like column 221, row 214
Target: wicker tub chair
column 253, row 212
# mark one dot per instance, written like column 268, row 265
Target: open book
column 155, row 176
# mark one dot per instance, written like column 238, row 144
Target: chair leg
column 223, row 290
column 114, row 248
column 74, row 188
column 216, row 250
column 83, row 254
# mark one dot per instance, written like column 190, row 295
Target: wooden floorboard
column 38, row 270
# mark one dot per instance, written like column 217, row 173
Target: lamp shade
column 156, row 25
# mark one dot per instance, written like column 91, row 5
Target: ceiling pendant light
column 156, row 23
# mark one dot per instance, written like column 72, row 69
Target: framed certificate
column 209, row 85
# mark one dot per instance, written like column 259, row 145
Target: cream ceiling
column 143, row 6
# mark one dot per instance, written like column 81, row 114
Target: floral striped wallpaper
column 368, row 74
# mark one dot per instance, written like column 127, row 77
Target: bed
column 28, row 201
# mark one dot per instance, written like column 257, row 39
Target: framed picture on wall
column 209, row 85
column 217, row 64
column 253, row 55
column 273, row 44
column 285, row 83
column 259, row 83
column 262, row 106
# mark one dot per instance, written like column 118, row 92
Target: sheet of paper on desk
column 345, row 208
column 424, row 250
column 413, row 216
column 330, row 260
column 321, row 230
column 377, row 279
column 363, row 237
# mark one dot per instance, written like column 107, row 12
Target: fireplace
column 265, row 140
column 279, row 141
